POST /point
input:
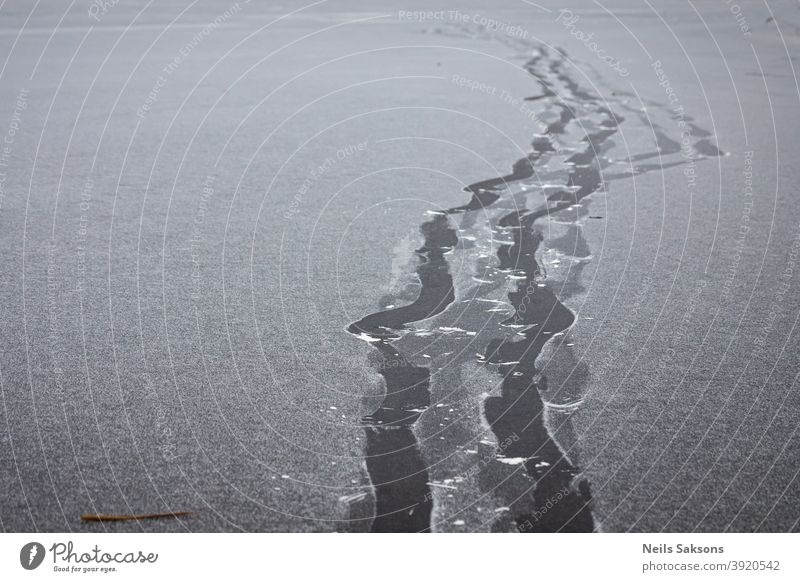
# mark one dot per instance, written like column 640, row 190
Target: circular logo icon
column 31, row 555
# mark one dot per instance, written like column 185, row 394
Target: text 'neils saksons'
column 681, row 549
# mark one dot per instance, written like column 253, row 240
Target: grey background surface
column 173, row 308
